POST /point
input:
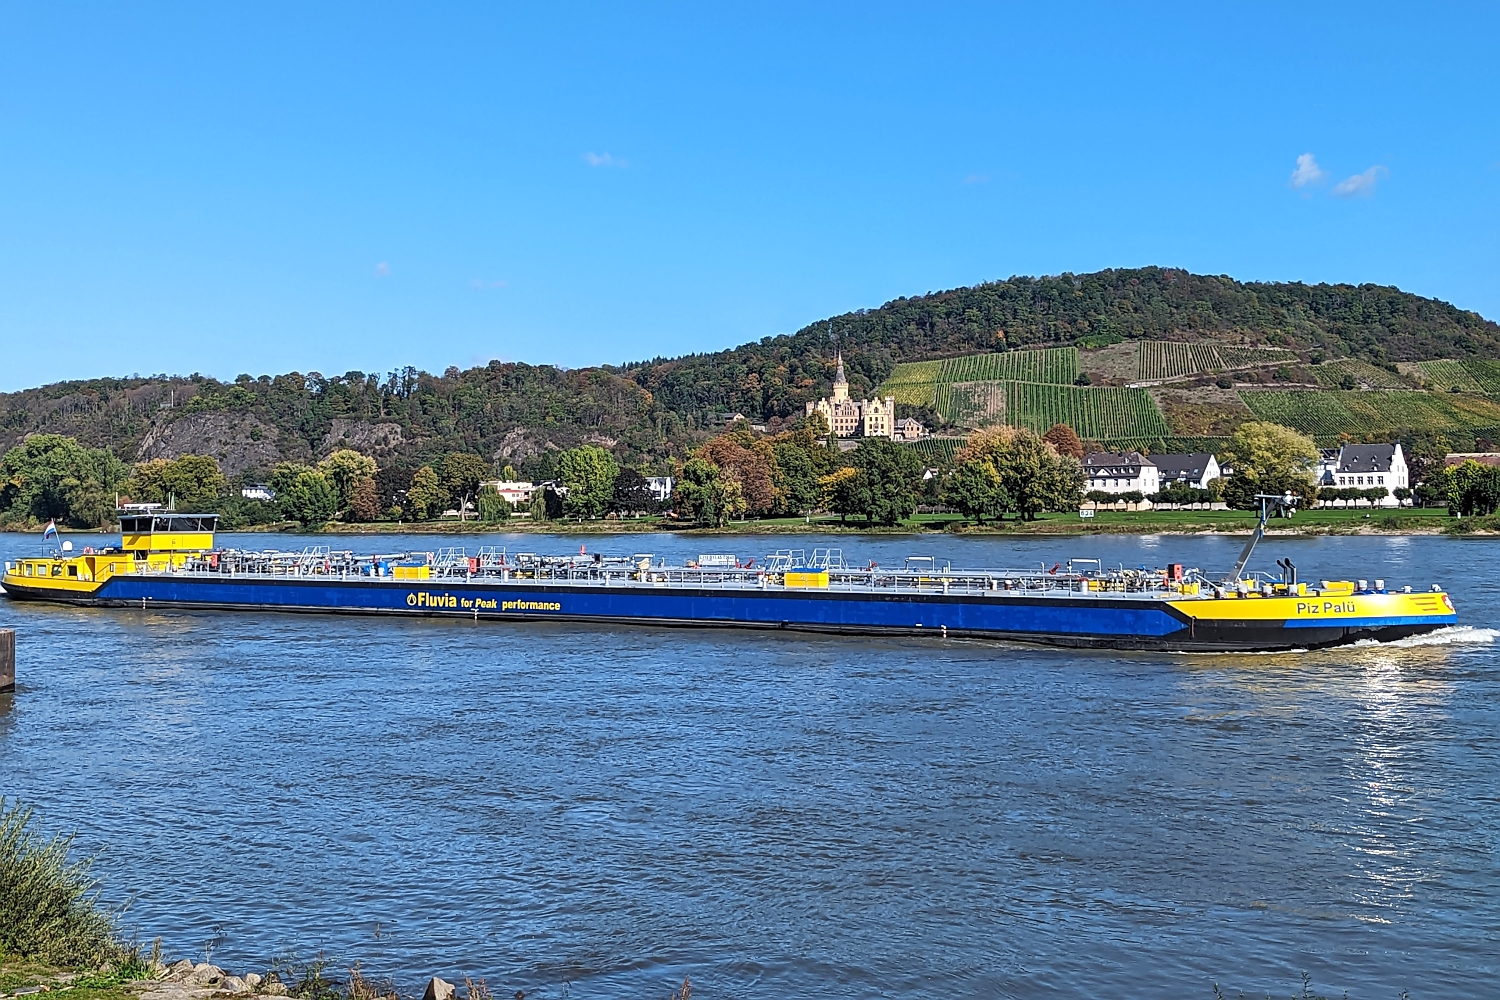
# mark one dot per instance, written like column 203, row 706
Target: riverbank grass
column 49, row 912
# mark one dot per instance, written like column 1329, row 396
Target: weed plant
column 49, row 908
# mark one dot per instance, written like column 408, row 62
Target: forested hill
column 652, row 411
column 776, row 376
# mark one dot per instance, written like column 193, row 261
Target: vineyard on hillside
column 1057, row 365
column 1486, row 373
column 912, row 393
column 914, row 373
column 1159, row 359
column 1333, row 373
column 971, row 404
column 1449, row 376
column 1245, row 357
column 1094, row 413
column 919, row 383
column 1327, row 414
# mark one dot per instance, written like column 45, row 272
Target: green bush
column 49, row 908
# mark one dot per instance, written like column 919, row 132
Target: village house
column 512, row 492
column 1196, row 470
column 1482, row 457
column 1328, row 466
column 1112, row 473
column 661, row 487
column 908, row 429
column 1363, row 466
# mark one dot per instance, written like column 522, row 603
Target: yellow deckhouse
column 150, row 541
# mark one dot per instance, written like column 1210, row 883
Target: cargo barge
column 169, row 560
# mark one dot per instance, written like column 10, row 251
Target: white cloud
column 1307, row 172
column 382, row 270
column 603, row 160
column 1361, row 184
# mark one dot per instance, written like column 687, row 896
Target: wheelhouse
column 161, row 531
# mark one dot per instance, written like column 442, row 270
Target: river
column 598, row 812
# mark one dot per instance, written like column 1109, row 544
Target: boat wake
column 1453, row 635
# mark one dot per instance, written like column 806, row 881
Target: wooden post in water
column 7, row 660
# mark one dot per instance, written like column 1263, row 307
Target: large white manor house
column 855, row 417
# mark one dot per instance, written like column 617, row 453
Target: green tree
column 1473, row 489
column 425, row 496
column 460, row 474
column 284, row 476
column 797, row 484
column 1037, row 478
column 843, row 492
column 192, row 483
column 1435, row 489
column 890, row 477
column 546, row 505
column 344, row 469
column 588, row 474
column 1268, row 458
column 1016, row 470
column 632, row 494
column 50, row 476
column 491, row 506
column 975, row 487
column 311, row 499
column 1181, row 493
column 706, row 494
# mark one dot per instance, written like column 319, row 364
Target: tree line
column 740, row 474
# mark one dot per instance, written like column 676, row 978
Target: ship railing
column 784, row 559
column 921, row 575
column 829, row 559
column 491, row 559
column 312, row 556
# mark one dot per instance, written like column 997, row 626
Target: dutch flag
column 50, row 531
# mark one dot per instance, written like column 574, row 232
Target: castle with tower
column 855, row 417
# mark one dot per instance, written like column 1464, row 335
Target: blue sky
column 264, row 188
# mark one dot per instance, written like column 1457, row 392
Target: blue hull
column 1065, row 620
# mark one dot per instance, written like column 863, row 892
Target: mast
column 1268, row 501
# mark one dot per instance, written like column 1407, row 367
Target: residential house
column 661, row 487
column 512, row 492
column 908, row 429
column 1363, row 466
column 1328, row 466
column 1482, row 457
column 1196, row 470
column 1112, row 473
